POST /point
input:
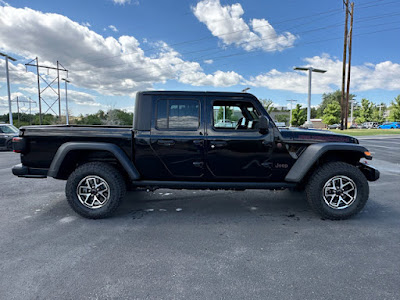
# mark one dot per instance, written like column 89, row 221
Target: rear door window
column 178, row 114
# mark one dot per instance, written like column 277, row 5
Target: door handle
column 198, row 164
column 266, row 143
column 166, row 142
column 218, row 144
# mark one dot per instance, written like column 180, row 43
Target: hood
column 316, row 136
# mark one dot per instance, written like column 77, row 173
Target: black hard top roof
column 205, row 93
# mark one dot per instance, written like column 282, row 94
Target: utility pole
column 19, row 124
column 8, row 86
column 66, row 101
column 39, row 94
column 310, row 70
column 58, row 85
column 49, row 85
column 291, row 108
column 342, row 105
column 349, row 65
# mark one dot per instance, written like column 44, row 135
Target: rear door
column 237, row 152
column 177, row 136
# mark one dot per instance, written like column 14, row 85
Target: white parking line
column 382, row 142
column 379, row 137
column 381, row 146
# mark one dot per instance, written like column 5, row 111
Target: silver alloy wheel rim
column 93, row 191
column 339, row 192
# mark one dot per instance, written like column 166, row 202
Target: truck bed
column 43, row 141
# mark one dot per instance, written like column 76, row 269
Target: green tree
column 377, row 113
column 298, row 116
column 267, row 105
column 331, row 113
column 328, row 98
column 228, row 113
column 282, row 118
column 365, row 111
column 314, row 113
column 394, row 114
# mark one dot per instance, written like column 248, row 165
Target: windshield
column 8, row 129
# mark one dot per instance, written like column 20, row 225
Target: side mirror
column 263, row 124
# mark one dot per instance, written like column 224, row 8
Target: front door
column 177, row 137
column 235, row 149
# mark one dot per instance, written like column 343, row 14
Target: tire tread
column 102, row 169
column 318, row 178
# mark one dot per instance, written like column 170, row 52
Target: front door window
column 235, row 116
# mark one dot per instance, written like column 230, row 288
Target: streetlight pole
column 8, row 85
column 310, row 70
column 352, row 106
column 380, row 109
column 291, row 108
column 66, row 101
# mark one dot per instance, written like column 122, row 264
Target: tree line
column 328, row 111
column 110, row 117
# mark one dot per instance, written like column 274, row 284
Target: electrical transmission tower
column 24, row 100
column 48, row 103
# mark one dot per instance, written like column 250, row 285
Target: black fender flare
column 120, row 155
column 314, row 152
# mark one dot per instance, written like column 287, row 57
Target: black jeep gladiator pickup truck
column 197, row 140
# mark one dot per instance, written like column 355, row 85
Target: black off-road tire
column 322, row 175
column 106, row 172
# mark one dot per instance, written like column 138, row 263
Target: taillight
column 18, row 144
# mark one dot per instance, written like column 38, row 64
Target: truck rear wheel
column 337, row 190
column 95, row 190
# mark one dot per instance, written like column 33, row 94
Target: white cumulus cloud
column 364, row 77
column 121, row 2
column 226, row 23
column 108, row 65
column 219, row 78
column 113, row 28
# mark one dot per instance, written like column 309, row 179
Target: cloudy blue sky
column 114, row 48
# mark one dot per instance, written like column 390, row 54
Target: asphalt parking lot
column 200, row 244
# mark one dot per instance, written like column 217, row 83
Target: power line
column 252, row 53
column 241, row 53
column 363, row 6
column 365, row 19
column 237, row 44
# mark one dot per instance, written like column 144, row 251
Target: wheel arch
column 317, row 154
column 71, row 154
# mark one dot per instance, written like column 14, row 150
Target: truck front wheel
column 95, row 190
column 337, row 190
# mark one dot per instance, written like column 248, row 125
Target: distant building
column 318, row 124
